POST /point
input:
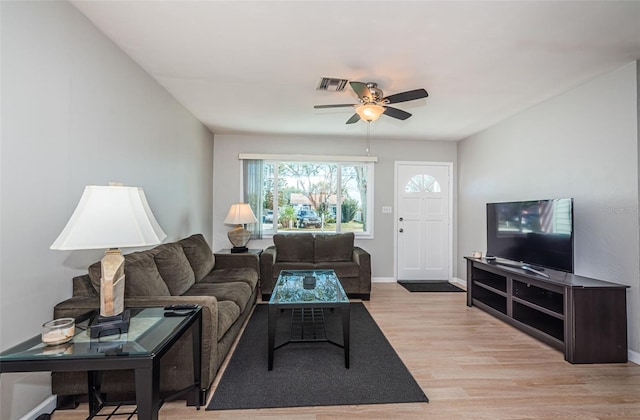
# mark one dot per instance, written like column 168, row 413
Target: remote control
column 182, row 312
column 180, row 306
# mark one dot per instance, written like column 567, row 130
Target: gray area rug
column 313, row 374
column 430, row 286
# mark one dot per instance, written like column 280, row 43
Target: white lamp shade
column 239, row 214
column 110, row 217
column 370, row 112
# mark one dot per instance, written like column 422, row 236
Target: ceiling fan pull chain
column 368, row 137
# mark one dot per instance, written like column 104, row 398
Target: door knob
column 401, row 230
column 401, row 219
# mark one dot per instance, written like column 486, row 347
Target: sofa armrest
column 363, row 259
column 82, row 286
column 75, row 306
column 209, row 333
column 245, row 260
column 267, row 260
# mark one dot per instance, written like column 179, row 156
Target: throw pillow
column 174, row 268
column 199, row 255
column 332, row 248
column 294, row 248
column 141, row 276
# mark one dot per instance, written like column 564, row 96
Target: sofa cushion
column 237, row 292
column 343, row 269
column 228, row 313
column 277, row 267
column 199, row 255
column 226, row 275
column 142, row 277
column 174, row 268
column 298, row 247
column 338, row 247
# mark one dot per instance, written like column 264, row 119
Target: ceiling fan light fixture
column 370, row 112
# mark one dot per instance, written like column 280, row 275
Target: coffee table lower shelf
column 309, row 317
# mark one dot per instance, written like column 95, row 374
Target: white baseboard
column 459, row 282
column 46, row 407
column 383, row 279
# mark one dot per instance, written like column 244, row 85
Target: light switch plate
column 387, row 209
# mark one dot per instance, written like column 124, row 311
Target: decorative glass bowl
column 309, row 282
column 58, row 331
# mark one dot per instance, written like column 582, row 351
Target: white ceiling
column 253, row 67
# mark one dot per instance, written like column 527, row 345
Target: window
column 422, row 183
column 302, row 196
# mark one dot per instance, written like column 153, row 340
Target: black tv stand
column 584, row 318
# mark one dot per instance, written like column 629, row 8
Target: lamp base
column 103, row 326
column 239, row 237
column 239, row 249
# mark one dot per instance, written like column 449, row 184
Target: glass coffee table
column 308, row 293
column 152, row 332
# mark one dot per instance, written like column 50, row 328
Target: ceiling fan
column 373, row 103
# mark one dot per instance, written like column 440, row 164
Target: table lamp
column 239, row 214
column 110, row 217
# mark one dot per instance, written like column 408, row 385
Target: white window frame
column 368, row 161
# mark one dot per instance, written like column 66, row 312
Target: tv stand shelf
column 584, row 318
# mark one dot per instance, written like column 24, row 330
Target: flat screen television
column 537, row 234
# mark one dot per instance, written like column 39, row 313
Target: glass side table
column 152, row 332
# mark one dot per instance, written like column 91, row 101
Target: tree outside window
column 316, row 197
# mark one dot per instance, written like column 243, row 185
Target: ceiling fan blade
column 354, row 119
column 396, row 113
column 332, row 106
column 406, row 96
column 362, row 91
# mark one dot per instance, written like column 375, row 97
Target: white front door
column 423, row 220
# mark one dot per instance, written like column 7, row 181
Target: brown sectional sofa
column 305, row 251
column 181, row 272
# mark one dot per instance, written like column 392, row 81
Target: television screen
column 538, row 233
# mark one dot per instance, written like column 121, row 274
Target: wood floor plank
column 470, row 365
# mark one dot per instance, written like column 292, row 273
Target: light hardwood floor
column 470, row 365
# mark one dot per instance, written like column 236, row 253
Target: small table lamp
column 239, row 214
column 110, row 217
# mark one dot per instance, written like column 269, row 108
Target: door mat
column 430, row 286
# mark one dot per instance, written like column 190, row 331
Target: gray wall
column 77, row 111
column 381, row 247
column 582, row 144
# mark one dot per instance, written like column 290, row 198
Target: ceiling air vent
column 330, row 84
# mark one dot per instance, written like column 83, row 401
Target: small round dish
column 58, row 331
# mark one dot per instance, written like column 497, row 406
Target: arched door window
column 422, row 183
